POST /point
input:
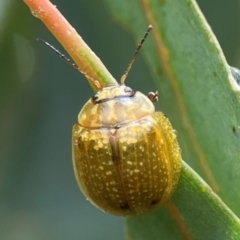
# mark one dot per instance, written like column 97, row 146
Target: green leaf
column 201, row 100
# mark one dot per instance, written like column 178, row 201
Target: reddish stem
column 83, row 56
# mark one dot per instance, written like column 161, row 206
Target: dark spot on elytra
column 124, row 206
column 154, row 202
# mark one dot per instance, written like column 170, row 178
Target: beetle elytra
column 126, row 156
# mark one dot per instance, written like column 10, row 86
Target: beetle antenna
column 60, row 54
column 68, row 60
column 123, row 78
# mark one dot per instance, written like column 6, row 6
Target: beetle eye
column 128, row 89
column 153, row 96
column 95, row 97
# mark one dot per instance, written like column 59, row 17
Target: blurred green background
column 40, row 97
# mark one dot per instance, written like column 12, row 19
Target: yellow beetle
column 126, row 156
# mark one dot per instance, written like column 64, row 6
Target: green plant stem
column 92, row 67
